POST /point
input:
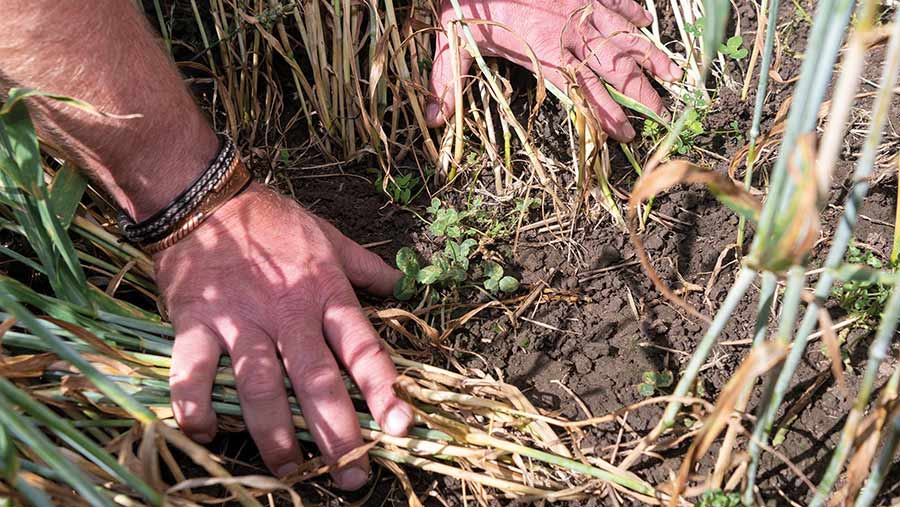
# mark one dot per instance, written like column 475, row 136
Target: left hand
column 598, row 39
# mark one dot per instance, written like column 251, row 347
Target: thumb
column 441, row 103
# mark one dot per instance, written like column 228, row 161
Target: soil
column 615, row 326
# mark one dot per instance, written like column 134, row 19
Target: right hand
column 606, row 45
column 271, row 284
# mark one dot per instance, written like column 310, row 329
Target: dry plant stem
column 201, row 456
column 841, row 238
column 400, row 59
column 453, row 40
column 762, row 13
column 546, row 182
column 434, row 466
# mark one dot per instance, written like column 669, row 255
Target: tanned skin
column 264, row 280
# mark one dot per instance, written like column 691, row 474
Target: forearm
column 104, row 53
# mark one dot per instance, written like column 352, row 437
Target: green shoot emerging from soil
column 719, row 498
column 450, row 268
column 733, row 48
column 654, row 382
column 862, row 298
column 402, row 189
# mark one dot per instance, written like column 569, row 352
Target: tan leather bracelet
column 235, row 179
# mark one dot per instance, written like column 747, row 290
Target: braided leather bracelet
column 225, row 177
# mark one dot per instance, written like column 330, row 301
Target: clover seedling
column 446, row 220
column 862, row 297
column 408, row 264
column 654, row 382
column 732, row 48
column 495, row 281
column 719, row 498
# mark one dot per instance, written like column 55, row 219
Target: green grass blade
column 63, row 350
column 26, row 431
column 65, row 193
column 77, row 440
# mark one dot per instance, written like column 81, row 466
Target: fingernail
column 352, row 478
column 675, row 71
column 286, row 469
column 432, row 111
column 398, row 420
column 628, row 131
column 203, row 438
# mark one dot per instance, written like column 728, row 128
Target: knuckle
column 276, row 447
column 322, row 379
column 339, row 445
column 365, row 352
column 256, row 390
column 333, row 288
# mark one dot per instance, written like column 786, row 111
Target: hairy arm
column 261, row 280
column 100, row 52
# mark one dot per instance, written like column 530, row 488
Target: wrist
column 162, row 168
column 223, row 226
column 224, row 177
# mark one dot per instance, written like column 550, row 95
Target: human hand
column 270, row 284
column 606, row 41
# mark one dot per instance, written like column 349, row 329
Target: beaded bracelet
column 223, row 179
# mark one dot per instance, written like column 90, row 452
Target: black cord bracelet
column 163, row 221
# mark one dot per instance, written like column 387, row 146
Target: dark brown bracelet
column 234, row 181
column 189, row 209
column 161, row 223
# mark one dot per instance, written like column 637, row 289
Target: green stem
column 25, row 431
column 77, row 440
column 65, row 351
column 840, row 241
column 878, row 352
column 689, row 376
column 789, row 312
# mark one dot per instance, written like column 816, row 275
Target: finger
column 365, row 269
column 321, row 392
column 630, row 10
column 195, row 359
column 362, row 351
column 264, row 402
column 442, row 102
column 609, row 114
column 619, row 70
column 623, row 35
